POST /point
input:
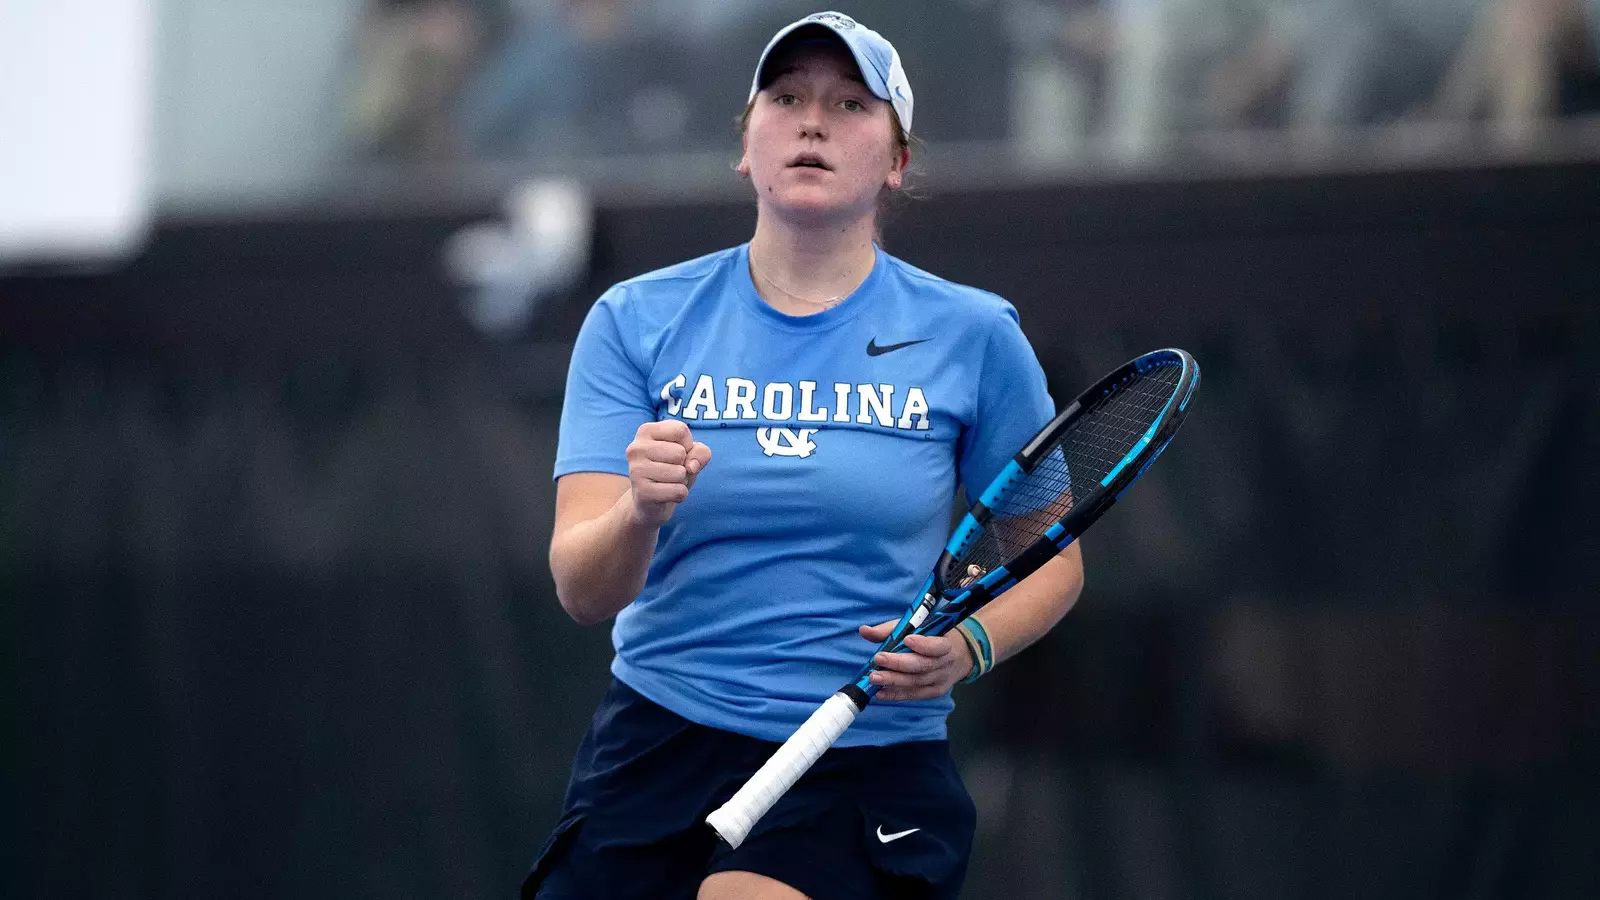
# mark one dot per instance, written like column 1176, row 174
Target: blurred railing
column 295, row 101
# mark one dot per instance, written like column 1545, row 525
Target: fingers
column 698, row 455
column 655, row 479
column 900, row 686
column 672, row 431
column 878, row 633
column 696, row 459
column 669, row 441
column 646, row 490
column 659, row 472
column 660, row 451
column 926, row 645
column 664, row 460
column 926, row 652
column 928, row 671
column 912, row 663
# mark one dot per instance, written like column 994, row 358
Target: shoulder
column 672, row 283
column 948, row 296
column 951, row 299
column 640, row 312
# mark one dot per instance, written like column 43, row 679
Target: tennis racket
column 1056, row 486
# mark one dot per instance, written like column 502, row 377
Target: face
column 818, row 145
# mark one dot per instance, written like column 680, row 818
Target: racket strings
column 1098, row 441
column 1086, row 452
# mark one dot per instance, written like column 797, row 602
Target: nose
column 811, row 122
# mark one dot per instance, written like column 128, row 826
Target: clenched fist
column 663, row 462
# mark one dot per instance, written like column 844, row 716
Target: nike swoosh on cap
column 886, row 838
column 874, row 350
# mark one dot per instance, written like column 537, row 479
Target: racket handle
column 734, row 819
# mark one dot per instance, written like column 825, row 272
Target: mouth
column 809, row 161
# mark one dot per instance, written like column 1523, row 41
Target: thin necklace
column 825, row 304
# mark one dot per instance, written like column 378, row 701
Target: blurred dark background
column 275, row 470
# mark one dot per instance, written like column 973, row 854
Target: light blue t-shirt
column 838, row 440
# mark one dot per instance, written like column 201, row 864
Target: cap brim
column 804, row 31
column 876, row 59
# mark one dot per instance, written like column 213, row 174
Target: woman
column 757, row 455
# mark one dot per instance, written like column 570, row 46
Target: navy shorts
column 865, row 822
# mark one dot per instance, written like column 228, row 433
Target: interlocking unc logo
column 837, row 20
column 787, row 441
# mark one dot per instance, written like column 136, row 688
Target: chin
column 814, row 215
column 810, row 206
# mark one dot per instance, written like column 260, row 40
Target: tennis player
column 757, row 458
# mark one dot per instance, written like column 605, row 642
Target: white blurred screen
column 76, row 94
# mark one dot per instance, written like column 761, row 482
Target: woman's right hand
column 663, row 462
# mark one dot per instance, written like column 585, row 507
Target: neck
column 791, row 266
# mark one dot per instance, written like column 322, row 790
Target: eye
column 852, row 105
column 786, row 100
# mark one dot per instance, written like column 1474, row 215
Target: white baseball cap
column 875, row 56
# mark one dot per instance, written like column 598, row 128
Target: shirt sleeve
column 1013, row 404
column 607, row 397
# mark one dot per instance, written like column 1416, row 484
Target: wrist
column 632, row 515
column 979, row 647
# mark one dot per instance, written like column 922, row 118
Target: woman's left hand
column 930, row 670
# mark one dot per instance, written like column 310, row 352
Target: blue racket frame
column 942, row 608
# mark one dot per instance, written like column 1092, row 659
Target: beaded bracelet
column 972, row 631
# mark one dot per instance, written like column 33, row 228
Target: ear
column 743, row 168
column 897, row 172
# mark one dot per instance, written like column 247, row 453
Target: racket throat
column 910, row 625
column 857, row 694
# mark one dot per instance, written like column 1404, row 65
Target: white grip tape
column 735, row 818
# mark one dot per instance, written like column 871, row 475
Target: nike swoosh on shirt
column 886, row 838
column 874, row 350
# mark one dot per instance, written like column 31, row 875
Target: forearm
column 599, row 565
column 1028, row 611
